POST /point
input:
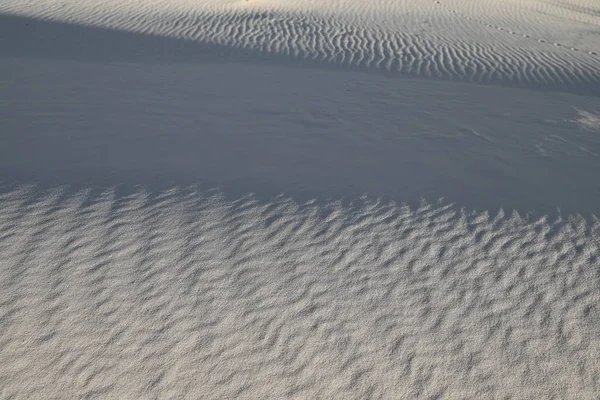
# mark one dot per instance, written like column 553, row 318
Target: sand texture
column 182, row 293
column 276, row 199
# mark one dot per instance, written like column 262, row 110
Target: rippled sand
column 297, row 199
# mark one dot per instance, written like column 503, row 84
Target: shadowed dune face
column 306, row 133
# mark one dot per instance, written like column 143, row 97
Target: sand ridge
column 444, row 39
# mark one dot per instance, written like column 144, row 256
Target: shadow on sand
column 35, row 38
column 88, row 106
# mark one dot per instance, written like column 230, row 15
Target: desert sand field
column 299, row 199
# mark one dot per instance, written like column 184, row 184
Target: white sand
column 182, row 211
column 511, row 42
column 182, row 293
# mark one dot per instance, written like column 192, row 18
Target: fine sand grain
column 522, row 43
column 183, row 293
column 277, row 199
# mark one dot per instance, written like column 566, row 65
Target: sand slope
column 512, row 43
column 184, row 293
column 106, row 120
column 187, row 211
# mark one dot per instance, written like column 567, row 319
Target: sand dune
column 186, row 293
column 186, row 211
column 310, row 134
column 447, row 40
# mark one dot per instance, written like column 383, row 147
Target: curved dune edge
column 404, row 42
column 185, row 293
